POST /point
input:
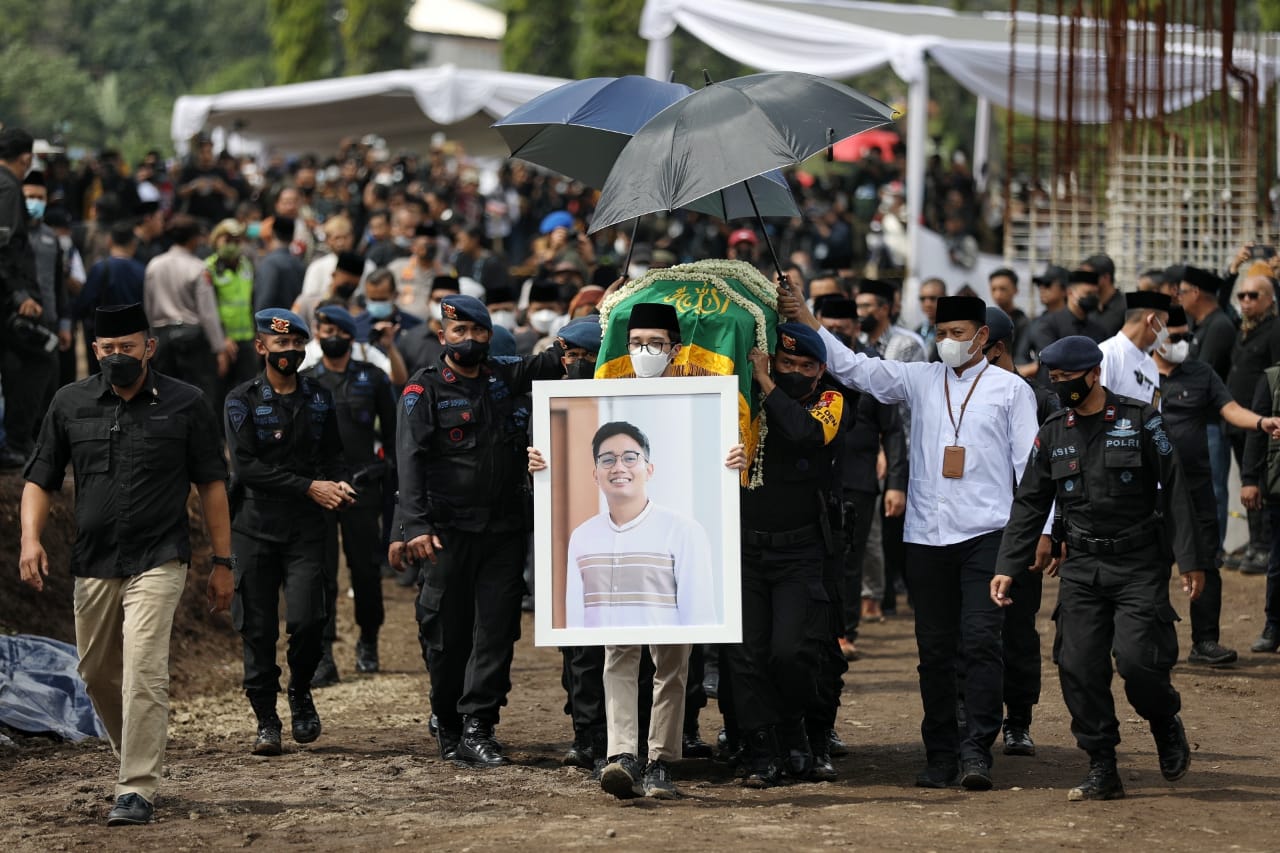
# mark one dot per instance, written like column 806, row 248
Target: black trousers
column 1259, row 521
column 895, row 560
column 469, row 621
column 582, row 676
column 360, row 535
column 184, row 352
column 1206, row 611
column 1126, row 614
column 265, row 567
column 825, row 630
column 950, row 590
column 860, row 510
column 26, row 379
column 773, row 667
column 1022, row 649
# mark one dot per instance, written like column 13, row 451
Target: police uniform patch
column 237, row 411
column 1163, row 447
column 448, row 311
column 455, row 434
column 788, row 342
column 279, row 325
column 410, row 397
column 278, row 435
column 1069, row 485
column 263, row 410
column 1126, row 477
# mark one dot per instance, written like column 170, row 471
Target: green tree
column 375, row 36
column 540, row 37
column 301, row 39
column 609, row 44
column 47, row 93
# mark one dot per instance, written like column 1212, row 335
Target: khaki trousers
column 621, row 696
column 122, row 634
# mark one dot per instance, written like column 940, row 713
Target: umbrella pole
column 631, row 245
column 772, row 253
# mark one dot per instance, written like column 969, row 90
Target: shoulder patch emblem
column 237, row 411
column 410, row 397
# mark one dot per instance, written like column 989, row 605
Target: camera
column 1262, row 253
column 31, row 336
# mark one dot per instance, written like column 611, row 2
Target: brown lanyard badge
column 953, row 454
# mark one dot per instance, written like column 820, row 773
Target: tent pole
column 772, row 253
column 657, row 59
column 981, row 143
column 917, row 156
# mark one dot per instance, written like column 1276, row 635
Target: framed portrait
column 636, row 527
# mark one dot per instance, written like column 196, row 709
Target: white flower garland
column 713, row 272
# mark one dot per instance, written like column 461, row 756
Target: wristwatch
column 1259, row 426
column 229, row 562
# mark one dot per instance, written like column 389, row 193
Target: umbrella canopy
column 727, row 133
column 580, row 128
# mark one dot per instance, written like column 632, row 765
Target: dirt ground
column 374, row 780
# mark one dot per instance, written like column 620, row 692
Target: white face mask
column 543, row 319
column 636, row 270
column 954, row 354
column 504, row 318
column 1162, row 338
column 647, row 365
column 1176, row 353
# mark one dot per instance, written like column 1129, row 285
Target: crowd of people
column 347, row 343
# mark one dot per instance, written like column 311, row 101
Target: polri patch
column 237, row 411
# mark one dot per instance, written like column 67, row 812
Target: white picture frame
column 691, row 424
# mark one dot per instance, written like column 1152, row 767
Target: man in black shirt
column 1111, row 302
column 1077, row 318
column 136, row 441
column 287, row 463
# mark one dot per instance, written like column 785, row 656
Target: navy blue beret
column 799, row 339
column 583, row 332
column 467, row 308
column 278, row 321
column 338, row 316
column 999, row 323
column 1072, row 353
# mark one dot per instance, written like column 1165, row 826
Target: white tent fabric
column 404, row 107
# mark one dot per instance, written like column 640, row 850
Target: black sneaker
column 1268, row 642
column 367, row 656
column 1102, row 783
column 1172, row 747
column 269, row 737
column 306, row 719
column 1210, row 653
column 1017, row 740
column 657, row 782
column 939, row 775
column 975, row 775
column 623, row 777
column 130, row 810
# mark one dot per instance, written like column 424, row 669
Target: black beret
column 1072, row 353
column 876, row 287
column 118, row 321
column 1177, row 316
column 351, row 263
column 1083, row 277
column 1202, row 279
column 1152, row 300
column 839, row 308
column 583, row 332
column 999, row 323
column 544, row 291
column 799, row 339
column 654, row 315
column 465, row 308
column 961, row 308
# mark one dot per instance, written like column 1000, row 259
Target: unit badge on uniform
column 410, row 397
column 280, row 325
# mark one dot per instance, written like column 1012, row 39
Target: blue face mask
column 35, row 208
column 379, row 309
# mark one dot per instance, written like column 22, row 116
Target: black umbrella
column 727, row 133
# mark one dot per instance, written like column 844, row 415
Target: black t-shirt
column 1192, row 397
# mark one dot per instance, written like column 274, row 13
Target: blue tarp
column 40, row 690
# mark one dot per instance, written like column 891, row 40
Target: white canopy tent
column 406, row 108
column 843, row 38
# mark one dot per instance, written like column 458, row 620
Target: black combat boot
column 580, row 753
column 1172, row 747
column 367, row 655
column 692, row 745
column 269, row 725
column 448, row 740
column 1102, row 783
column 326, row 674
column 761, row 754
column 478, row 746
column 823, row 769
column 1017, row 735
column 306, row 720
column 795, row 751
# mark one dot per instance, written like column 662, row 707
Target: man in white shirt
column 1127, row 366
column 636, row 564
column 974, row 429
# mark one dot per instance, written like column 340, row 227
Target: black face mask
column 1088, row 303
column 1072, row 392
column 335, row 347
column 286, row 363
column 797, row 386
column 468, row 353
column 345, row 291
column 868, row 323
column 580, row 369
column 121, row 370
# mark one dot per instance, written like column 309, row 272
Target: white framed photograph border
column 725, row 388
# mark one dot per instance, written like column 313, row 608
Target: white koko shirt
column 654, row 570
column 1129, row 371
column 997, row 433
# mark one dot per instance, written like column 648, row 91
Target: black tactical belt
column 1120, row 545
column 764, row 539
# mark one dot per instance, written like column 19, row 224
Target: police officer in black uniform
column 1020, row 637
column 464, row 509
column 366, row 408
column 786, row 538
column 1110, row 466
column 287, row 468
